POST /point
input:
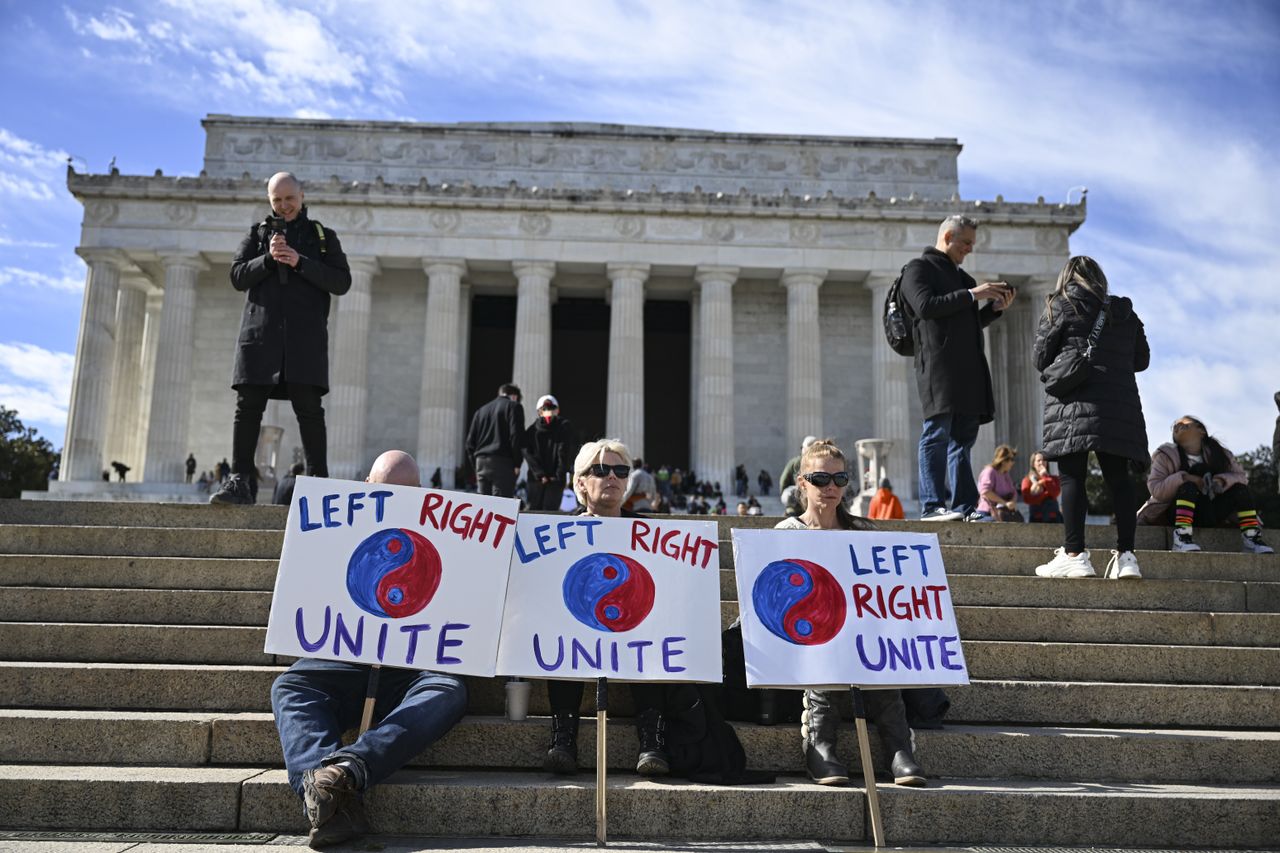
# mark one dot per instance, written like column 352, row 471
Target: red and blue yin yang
column 799, row 601
column 608, row 592
column 393, row 573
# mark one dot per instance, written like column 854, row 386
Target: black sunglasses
column 601, row 470
column 821, row 479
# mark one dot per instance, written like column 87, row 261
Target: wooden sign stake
column 868, row 771
column 370, row 698
column 602, row 760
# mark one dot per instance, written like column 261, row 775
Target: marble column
column 985, row 445
column 531, row 366
column 804, row 356
column 439, row 441
column 892, row 390
column 124, row 420
column 716, row 437
column 348, row 402
column 84, row 445
column 151, row 337
column 464, row 375
column 695, row 371
column 167, row 433
column 1027, row 393
column 624, row 413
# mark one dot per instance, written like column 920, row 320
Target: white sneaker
column 1063, row 565
column 1123, row 566
column 1253, row 544
column 942, row 514
column 1183, row 541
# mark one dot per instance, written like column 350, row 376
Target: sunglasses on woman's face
column 1181, row 427
column 822, row 479
column 602, row 471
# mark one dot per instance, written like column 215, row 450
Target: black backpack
column 897, row 320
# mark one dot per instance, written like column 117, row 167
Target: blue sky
column 1167, row 111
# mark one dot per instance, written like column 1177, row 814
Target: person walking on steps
column 1102, row 414
column 823, row 476
column 1196, row 482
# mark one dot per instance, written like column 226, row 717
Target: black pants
column 1219, row 510
column 251, row 402
column 566, row 696
column 545, row 497
column 1074, row 467
column 496, row 475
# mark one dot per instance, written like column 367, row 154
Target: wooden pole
column 868, row 771
column 602, row 760
column 370, row 698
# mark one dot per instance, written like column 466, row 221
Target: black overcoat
column 1105, row 413
column 284, row 330
column 951, row 369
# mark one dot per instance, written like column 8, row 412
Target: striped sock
column 1184, row 514
column 1248, row 519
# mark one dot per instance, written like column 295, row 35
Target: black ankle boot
column 818, row 727
column 562, row 755
column 651, row 730
column 885, row 708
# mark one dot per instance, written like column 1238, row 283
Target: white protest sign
column 632, row 599
column 842, row 608
column 379, row 574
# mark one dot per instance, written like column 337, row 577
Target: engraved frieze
column 536, row 224
column 100, row 212
column 444, row 221
column 804, row 232
column 629, row 226
column 1051, row 240
column 180, row 212
column 720, row 230
column 351, row 218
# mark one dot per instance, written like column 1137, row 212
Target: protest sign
column 842, row 608
column 631, row 599
column 380, row 574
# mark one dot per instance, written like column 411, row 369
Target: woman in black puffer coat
column 1103, row 415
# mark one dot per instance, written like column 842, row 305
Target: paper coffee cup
column 518, row 699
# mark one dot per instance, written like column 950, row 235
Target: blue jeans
column 315, row 701
column 945, row 442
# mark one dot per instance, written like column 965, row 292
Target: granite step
column 265, row 517
column 125, row 572
column 1059, row 753
column 228, row 688
column 420, row 802
column 987, row 659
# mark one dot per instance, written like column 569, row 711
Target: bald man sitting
column 315, row 701
column 288, row 266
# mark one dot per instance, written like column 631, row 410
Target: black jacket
column 284, row 335
column 549, row 448
column 951, row 369
column 1105, row 413
column 497, row 429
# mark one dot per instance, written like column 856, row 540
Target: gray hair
column 955, row 223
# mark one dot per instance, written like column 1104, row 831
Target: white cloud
column 68, row 281
column 29, row 170
column 36, row 382
column 26, row 244
column 114, row 25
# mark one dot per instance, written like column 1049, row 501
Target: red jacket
column 1052, row 488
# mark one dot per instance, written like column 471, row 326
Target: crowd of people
column 1089, row 345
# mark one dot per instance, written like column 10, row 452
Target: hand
column 1006, row 298
column 281, row 251
column 989, row 290
column 1220, row 481
column 1036, row 488
column 1188, row 477
column 1011, row 504
column 1042, row 468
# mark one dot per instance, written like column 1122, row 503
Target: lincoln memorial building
column 708, row 298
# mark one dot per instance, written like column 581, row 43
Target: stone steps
column 134, row 694
column 987, row 659
column 1056, row 753
column 222, row 687
column 479, row 803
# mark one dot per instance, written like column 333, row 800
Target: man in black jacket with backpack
column 495, row 443
column 944, row 304
column 288, row 266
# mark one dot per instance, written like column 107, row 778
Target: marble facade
column 783, row 245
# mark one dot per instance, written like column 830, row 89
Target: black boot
column 818, row 726
column 238, row 489
column 562, row 755
column 651, row 729
column 886, row 709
